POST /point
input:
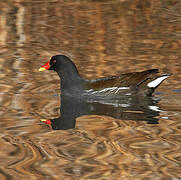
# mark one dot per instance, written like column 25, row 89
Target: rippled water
column 103, row 38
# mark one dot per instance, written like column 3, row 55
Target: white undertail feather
column 157, row 81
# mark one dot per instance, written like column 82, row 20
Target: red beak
column 46, row 121
column 45, row 66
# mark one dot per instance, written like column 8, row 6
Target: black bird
column 129, row 84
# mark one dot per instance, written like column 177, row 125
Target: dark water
column 132, row 140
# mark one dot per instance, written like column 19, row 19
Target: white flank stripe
column 123, row 88
column 112, row 89
column 156, row 82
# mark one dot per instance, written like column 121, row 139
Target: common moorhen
column 72, row 84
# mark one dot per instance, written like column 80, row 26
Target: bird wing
column 127, row 80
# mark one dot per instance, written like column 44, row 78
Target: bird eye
column 52, row 62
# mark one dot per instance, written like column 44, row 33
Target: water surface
column 102, row 38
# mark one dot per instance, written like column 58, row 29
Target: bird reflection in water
column 125, row 108
column 125, row 97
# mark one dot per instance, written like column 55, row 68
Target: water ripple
column 102, row 38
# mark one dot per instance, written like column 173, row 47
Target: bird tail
column 149, row 85
column 157, row 81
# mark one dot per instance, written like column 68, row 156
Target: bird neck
column 71, row 82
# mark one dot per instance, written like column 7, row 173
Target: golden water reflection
column 103, row 38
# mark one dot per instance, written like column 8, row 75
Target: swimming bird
column 128, row 84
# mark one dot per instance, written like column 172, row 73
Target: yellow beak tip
column 42, row 120
column 42, row 69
